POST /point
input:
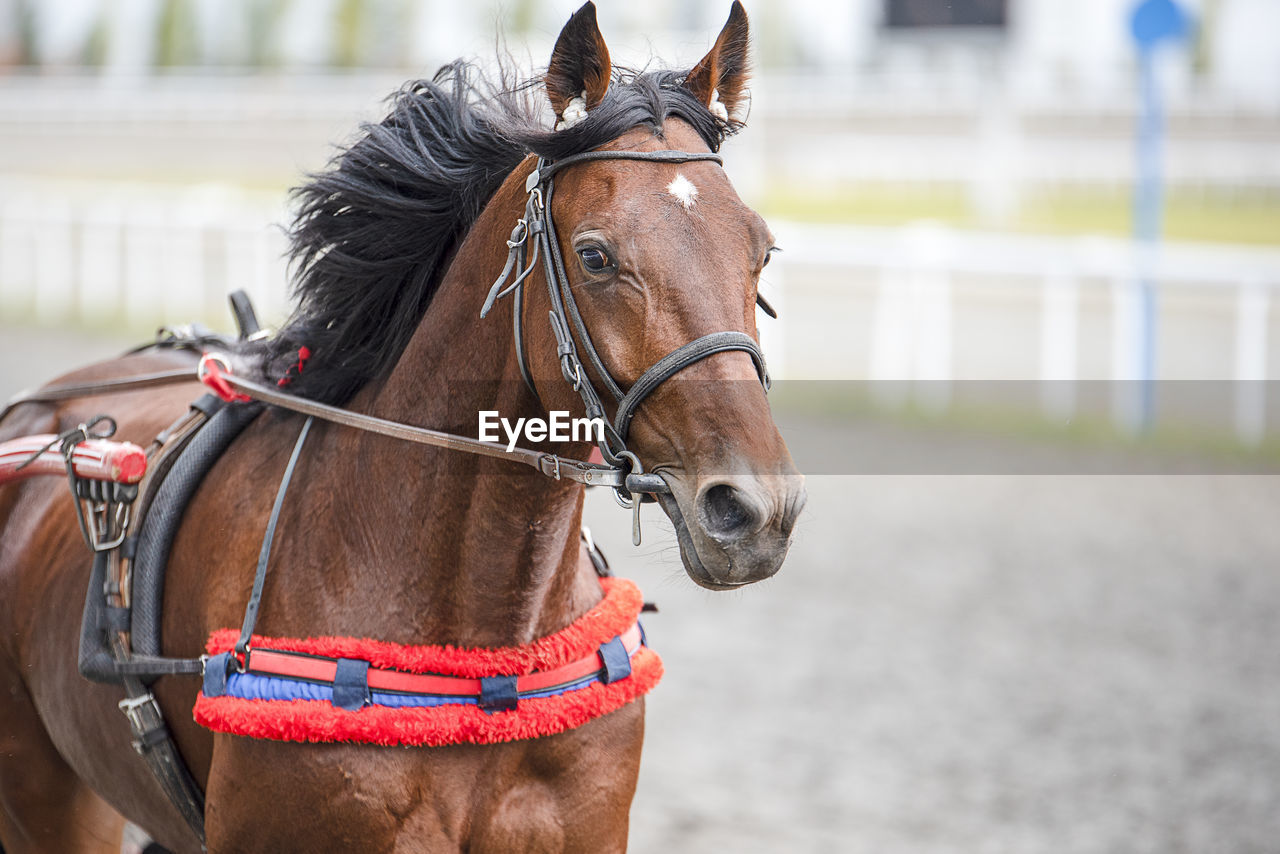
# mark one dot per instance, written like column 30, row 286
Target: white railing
column 824, row 129
column 916, row 309
column 923, row 307
column 109, row 253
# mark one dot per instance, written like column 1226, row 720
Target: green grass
column 1252, row 218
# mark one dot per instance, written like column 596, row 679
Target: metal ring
column 522, row 226
column 202, row 367
column 636, row 467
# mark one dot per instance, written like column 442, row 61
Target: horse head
column 658, row 254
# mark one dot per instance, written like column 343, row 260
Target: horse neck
column 489, row 548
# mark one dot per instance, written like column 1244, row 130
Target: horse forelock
column 375, row 231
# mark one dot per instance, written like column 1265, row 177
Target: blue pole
column 1147, row 215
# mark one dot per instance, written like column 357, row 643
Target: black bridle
column 566, row 319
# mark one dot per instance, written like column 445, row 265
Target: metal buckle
column 106, row 530
column 131, row 705
column 522, row 228
column 574, row 376
column 134, row 709
column 236, row 664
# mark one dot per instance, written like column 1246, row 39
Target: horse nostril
column 726, row 512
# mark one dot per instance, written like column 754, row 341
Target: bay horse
column 395, row 245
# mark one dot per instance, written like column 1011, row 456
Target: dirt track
column 965, row 664
column 956, row 664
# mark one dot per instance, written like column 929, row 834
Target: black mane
column 376, row 230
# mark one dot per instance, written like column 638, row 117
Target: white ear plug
column 718, row 109
column 574, row 112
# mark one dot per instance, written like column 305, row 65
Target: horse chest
column 571, row 792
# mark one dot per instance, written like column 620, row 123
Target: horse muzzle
column 733, row 529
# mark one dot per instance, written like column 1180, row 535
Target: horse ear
column 578, row 74
column 719, row 80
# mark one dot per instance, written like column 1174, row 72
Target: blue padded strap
column 498, row 693
column 617, row 664
column 215, row 674
column 351, row 684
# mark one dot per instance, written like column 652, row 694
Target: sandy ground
column 1022, row 663
column 1025, row 664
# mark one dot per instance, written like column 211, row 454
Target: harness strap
column 264, row 556
column 517, row 323
column 679, row 359
column 558, row 282
column 550, row 465
column 73, row 390
column 311, row 667
column 545, row 171
column 153, row 743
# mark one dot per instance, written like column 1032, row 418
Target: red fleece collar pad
column 571, row 656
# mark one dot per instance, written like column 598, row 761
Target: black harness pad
column 150, row 552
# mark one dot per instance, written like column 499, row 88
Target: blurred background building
column 952, row 181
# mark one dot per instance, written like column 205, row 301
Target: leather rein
column 622, row 470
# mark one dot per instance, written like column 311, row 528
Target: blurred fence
column 902, row 129
column 922, row 310
column 894, row 127
column 917, row 311
column 103, row 254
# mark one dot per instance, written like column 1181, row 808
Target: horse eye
column 593, row 259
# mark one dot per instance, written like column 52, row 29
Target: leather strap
column 73, row 390
column 315, row 668
column 679, row 359
column 153, row 743
column 549, row 464
column 264, row 554
column 544, row 171
column 562, row 295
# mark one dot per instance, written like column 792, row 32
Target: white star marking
column 684, row 191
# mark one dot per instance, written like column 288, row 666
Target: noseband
column 538, row 226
